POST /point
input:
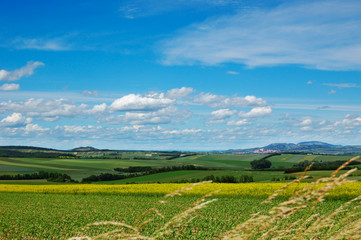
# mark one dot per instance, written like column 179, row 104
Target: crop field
column 346, row 191
column 64, row 211
column 34, row 209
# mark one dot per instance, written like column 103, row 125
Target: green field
column 258, row 176
column 60, row 216
column 226, row 164
column 44, row 214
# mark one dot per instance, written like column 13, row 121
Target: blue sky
column 188, row 75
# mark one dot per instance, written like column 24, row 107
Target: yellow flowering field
column 226, row 189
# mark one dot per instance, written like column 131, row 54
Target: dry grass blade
column 179, row 219
column 344, row 165
column 269, row 225
column 175, row 222
column 298, row 180
column 177, row 192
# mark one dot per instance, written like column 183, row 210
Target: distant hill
column 27, row 148
column 310, row 147
column 84, row 149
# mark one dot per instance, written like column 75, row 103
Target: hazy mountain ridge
column 311, row 147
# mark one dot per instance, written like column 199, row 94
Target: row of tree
column 49, row 176
column 318, row 165
column 152, row 170
column 138, row 171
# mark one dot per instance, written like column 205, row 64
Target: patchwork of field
column 224, row 164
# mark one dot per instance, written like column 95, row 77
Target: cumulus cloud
column 90, row 93
column 306, row 128
column 100, row 108
column 161, row 116
column 321, row 34
column 49, row 110
column 35, row 128
column 184, row 131
column 238, row 123
column 75, row 129
column 9, row 87
column 350, row 121
column 219, row 101
column 138, row 102
column 222, row 113
column 305, row 122
column 15, row 120
column 179, row 92
column 211, row 122
column 25, row 71
column 256, row 112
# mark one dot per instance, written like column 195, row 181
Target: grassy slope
column 80, row 168
column 258, row 176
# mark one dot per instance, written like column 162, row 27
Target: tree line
column 138, row 171
column 319, row 165
column 20, row 154
column 49, row 176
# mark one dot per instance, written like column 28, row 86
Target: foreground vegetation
column 206, row 210
column 61, row 216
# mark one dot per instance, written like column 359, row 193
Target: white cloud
column 306, row 128
column 222, row 113
column 144, row 8
column 309, row 82
column 331, row 92
column 350, row 121
column 47, row 44
column 100, row 108
column 323, row 122
column 342, row 85
column 75, row 129
column 233, row 72
column 219, row 101
column 49, row 110
column 184, row 131
column 138, row 102
column 25, row 71
column 15, row 120
column 305, row 122
column 90, row 93
column 319, row 34
column 238, row 123
column 161, row 116
column 211, row 122
column 256, row 112
column 179, row 92
column 35, row 128
column 9, row 87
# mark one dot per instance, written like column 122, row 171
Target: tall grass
column 277, row 223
